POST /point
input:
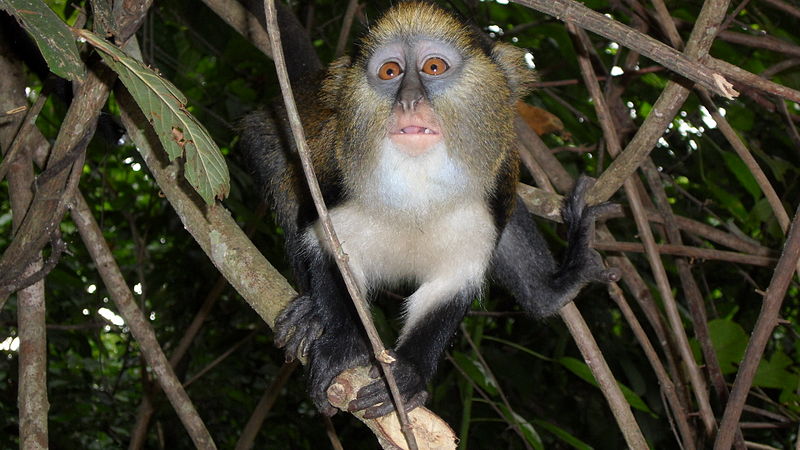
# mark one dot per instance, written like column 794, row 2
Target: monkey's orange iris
column 435, row 66
column 389, row 70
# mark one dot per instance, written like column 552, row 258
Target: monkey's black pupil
column 434, row 68
column 390, row 72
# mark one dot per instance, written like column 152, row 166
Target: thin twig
column 688, row 251
column 767, row 320
column 208, row 367
column 513, row 422
column 602, row 373
column 347, row 23
column 264, row 406
column 574, row 12
column 614, row 148
column 480, row 391
column 667, row 387
column 24, row 128
column 381, row 354
column 140, row 327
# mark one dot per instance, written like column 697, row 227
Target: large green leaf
column 165, row 107
column 526, row 428
column 563, row 434
column 580, row 369
column 730, row 341
column 774, row 373
column 51, row 34
column 476, row 371
column 742, row 173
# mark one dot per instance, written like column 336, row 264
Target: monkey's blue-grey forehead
column 411, row 20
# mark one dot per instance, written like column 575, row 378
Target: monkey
column 413, row 144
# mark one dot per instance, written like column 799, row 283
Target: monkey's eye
column 389, row 70
column 435, row 66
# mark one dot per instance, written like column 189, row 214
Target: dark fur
column 321, row 323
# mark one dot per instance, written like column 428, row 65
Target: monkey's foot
column 297, row 327
column 375, row 399
column 581, row 261
column 330, row 356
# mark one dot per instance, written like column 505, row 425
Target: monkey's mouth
column 415, row 129
column 414, row 139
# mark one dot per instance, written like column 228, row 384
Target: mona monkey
column 413, row 144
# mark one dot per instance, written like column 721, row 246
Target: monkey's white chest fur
column 437, row 233
column 415, row 185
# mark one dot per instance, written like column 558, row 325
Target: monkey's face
column 410, row 75
column 424, row 93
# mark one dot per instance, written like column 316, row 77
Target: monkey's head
column 424, row 83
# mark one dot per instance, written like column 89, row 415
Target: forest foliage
column 507, row 381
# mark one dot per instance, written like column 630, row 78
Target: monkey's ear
column 512, row 60
column 330, row 91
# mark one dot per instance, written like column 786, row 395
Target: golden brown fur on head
column 475, row 108
column 419, row 19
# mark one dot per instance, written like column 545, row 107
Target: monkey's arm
column 418, row 353
column 524, row 265
column 321, row 324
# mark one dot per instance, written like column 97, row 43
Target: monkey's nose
column 410, row 103
column 411, row 92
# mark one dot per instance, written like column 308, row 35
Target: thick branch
column 32, row 389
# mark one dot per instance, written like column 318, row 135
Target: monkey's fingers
column 607, row 275
column 387, row 406
column 300, row 342
column 575, row 202
column 370, row 395
column 297, row 327
column 600, row 210
column 375, row 371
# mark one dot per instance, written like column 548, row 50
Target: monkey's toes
column 385, row 408
column 611, row 274
column 376, row 401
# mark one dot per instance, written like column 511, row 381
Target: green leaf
column 729, row 341
column 563, row 435
column 521, row 348
column 527, row 429
column 580, row 369
column 773, row 373
column 52, row 36
column 654, row 80
column 742, row 173
column 740, row 116
column 476, row 372
column 777, row 166
column 727, row 200
column 165, row 107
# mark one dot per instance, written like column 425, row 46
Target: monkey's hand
column 376, row 401
column 297, row 327
column 305, row 331
column 581, row 262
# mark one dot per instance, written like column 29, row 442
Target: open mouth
column 416, row 129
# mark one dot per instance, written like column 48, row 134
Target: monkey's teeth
column 414, row 129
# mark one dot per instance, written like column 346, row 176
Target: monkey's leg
column 321, row 324
column 420, row 348
column 524, row 265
